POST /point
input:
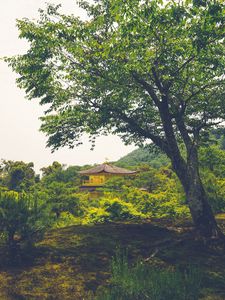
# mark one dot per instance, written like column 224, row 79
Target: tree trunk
column 200, row 209
column 188, row 171
column 11, row 241
column 12, row 247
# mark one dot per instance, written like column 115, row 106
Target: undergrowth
column 143, row 282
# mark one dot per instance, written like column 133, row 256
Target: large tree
column 17, row 175
column 148, row 71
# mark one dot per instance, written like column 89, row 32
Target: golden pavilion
column 97, row 176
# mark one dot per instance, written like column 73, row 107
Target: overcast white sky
column 20, row 138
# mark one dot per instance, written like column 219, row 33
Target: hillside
column 143, row 156
column 71, row 263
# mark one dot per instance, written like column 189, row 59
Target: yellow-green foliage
column 162, row 196
column 119, row 209
column 135, row 204
column 158, row 204
column 124, row 199
column 67, row 219
column 112, row 209
column 97, row 215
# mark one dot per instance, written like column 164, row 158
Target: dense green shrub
column 23, row 218
column 212, row 160
column 112, row 209
column 168, row 203
column 215, row 188
column 67, row 219
column 119, row 209
column 152, row 179
column 132, row 203
column 142, row 282
column 161, row 195
column 96, row 215
column 115, row 184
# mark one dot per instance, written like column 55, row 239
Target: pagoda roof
column 107, row 168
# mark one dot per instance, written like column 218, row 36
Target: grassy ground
column 72, row 262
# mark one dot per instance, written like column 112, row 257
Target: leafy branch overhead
column 115, row 71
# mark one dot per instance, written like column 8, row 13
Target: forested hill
column 157, row 159
column 143, row 156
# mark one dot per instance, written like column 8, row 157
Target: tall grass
column 143, row 282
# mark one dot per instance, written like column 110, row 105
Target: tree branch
column 157, row 81
column 205, row 87
column 184, row 132
column 162, row 144
column 183, row 65
column 148, row 88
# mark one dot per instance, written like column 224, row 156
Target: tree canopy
column 144, row 70
column 112, row 72
column 17, row 175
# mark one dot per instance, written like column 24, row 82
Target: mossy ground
column 71, row 263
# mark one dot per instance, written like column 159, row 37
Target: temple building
column 97, row 176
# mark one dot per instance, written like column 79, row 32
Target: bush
column 133, row 204
column 112, row 209
column 23, row 218
column 215, row 188
column 119, row 209
column 67, row 219
column 97, row 215
column 167, row 203
column 142, row 282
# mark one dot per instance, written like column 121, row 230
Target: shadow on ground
column 72, row 262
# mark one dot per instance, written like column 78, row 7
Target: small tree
column 59, row 173
column 23, row 218
column 145, row 70
column 61, row 185
column 62, row 198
